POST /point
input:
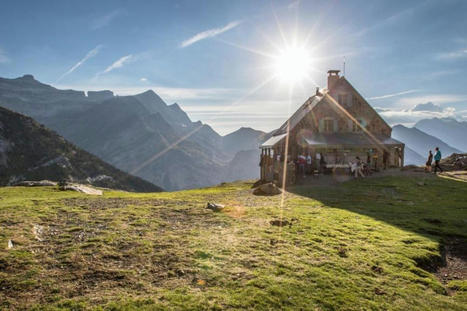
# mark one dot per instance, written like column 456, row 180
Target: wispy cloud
column 105, row 20
column 294, row 4
column 392, row 95
column 452, row 55
column 391, row 19
column 117, row 64
column 89, row 55
column 3, row 57
column 209, row 33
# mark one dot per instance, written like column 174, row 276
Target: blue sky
column 214, row 57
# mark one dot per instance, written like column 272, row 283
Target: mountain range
column 139, row 134
column 449, row 130
column 143, row 136
column 29, row 151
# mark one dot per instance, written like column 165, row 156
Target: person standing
column 301, row 165
column 437, row 159
column 429, row 162
column 318, row 161
column 308, row 164
column 385, row 159
column 358, row 167
column 322, row 161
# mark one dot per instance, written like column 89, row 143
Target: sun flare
column 292, row 64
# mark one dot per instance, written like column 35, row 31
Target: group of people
column 306, row 164
column 429, row 163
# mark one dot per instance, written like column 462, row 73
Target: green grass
column 361, row 245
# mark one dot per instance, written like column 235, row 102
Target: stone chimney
column 333, row 76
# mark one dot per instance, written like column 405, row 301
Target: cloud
column 209, row 34
column 105, row 20
column 3, row 57
column 89, row 55
column 294, row 5
column 411, row 116
column 143, row 80
column 117, row 64
column 392, row 95
column 429, row 106
column 452, row 55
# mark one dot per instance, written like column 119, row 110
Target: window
column 356, row 127
column 342, row 99
column 329, row 125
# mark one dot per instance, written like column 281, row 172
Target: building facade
column 333, row 127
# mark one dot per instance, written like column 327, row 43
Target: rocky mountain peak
column 28, row 77
column 100, row 95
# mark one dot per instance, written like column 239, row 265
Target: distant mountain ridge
column 139, row 134
column 418, row 143
column 245, row 138
column 449, row 130
column 29, row 151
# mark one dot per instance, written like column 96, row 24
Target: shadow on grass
column 431, row 206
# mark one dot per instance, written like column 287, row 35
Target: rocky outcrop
column 100, row 95
column 80, row 188
column 36, row 183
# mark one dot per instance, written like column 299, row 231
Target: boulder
column 267, row 189
column 36, row 183
column 215, row 207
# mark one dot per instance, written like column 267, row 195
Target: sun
column 292, row 64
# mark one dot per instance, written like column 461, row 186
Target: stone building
column 338, row 125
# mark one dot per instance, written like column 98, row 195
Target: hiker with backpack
column 437, row 158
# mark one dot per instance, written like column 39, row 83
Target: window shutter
column 350, row 123
column 336, row 126
column 321, row 125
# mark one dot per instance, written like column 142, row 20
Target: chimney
column 333, row 76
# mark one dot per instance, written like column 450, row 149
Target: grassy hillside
column 361, row 245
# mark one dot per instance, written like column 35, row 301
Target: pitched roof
column 273, row 140
column 299, row 114
column 309, row 105
column 343, row 79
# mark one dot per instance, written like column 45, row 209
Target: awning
column 272, row 141
column 338, row 140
